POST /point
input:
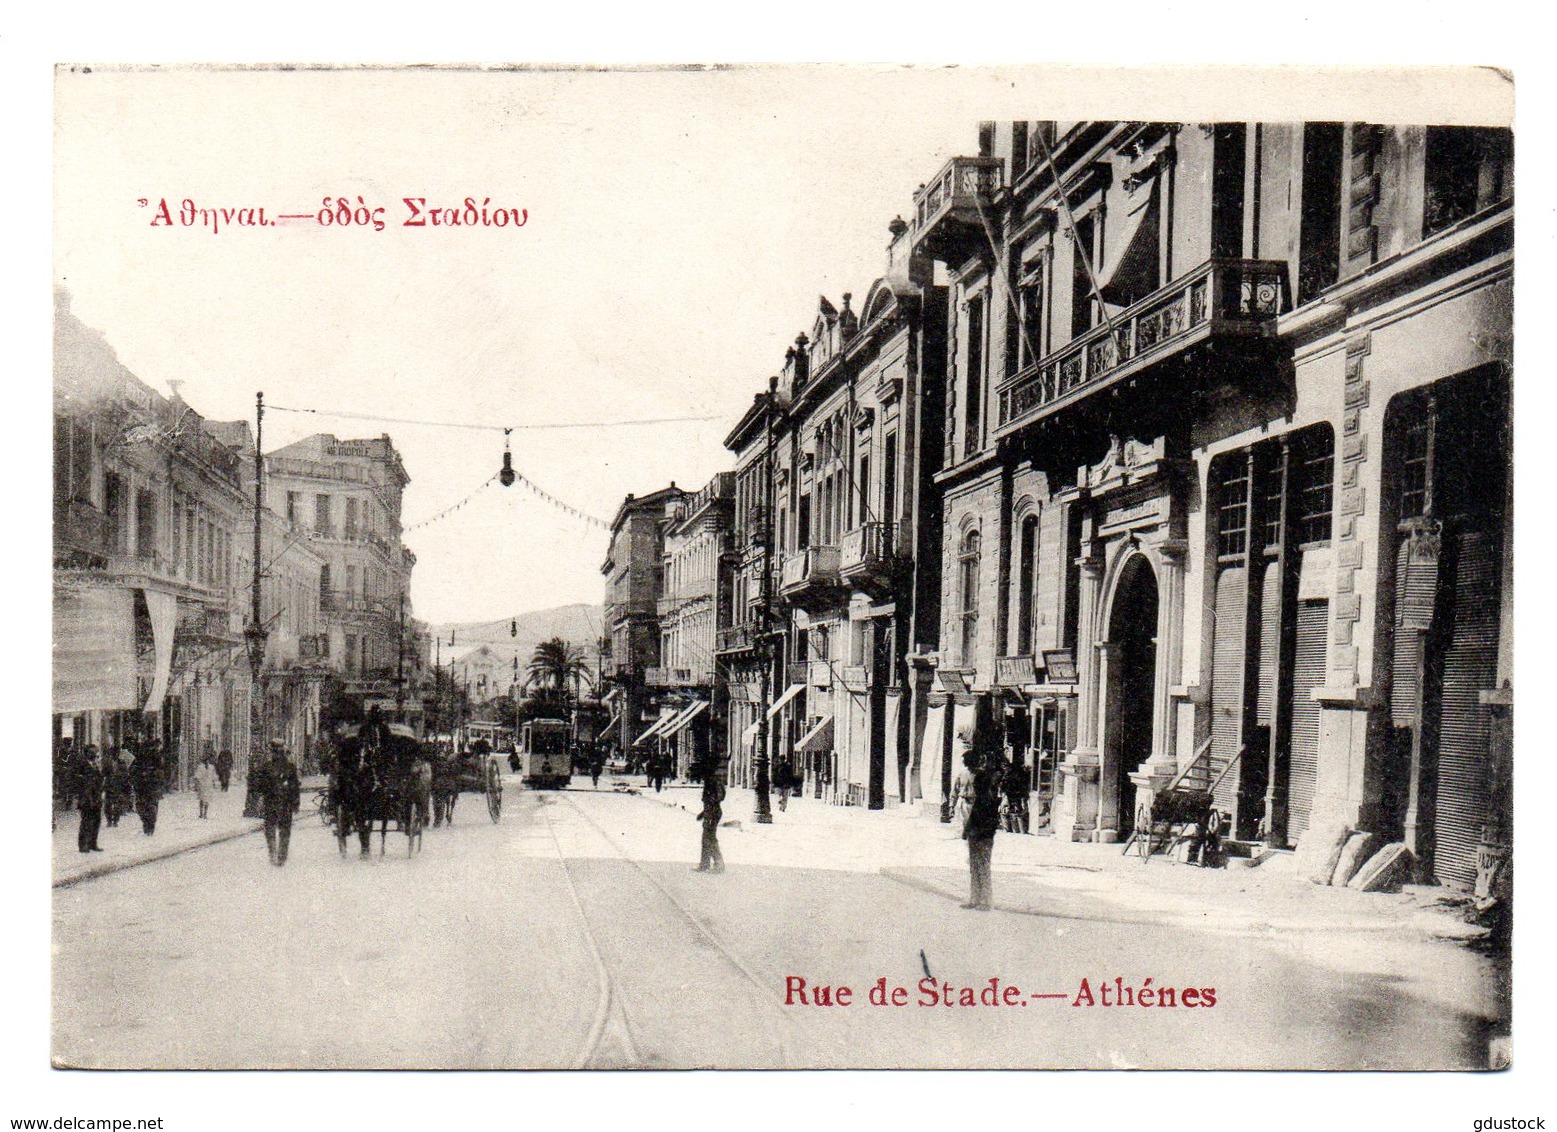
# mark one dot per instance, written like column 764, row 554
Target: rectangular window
column 1468, row 168
column 889, row 480
column 1081, row 304
column 351, row 517
column 862, row 488
column 322, row 525
column 1413, row 473
column 1018, row 149
column 1319, row 237
column 294, row 506
column 145, row 524
column 973, row 414
column 1313, row 492
column 1232, row 528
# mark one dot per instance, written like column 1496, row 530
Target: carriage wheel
column 495, row 800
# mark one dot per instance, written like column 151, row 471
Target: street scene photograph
column 780, row 568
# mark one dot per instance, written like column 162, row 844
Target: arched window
column 968, row 591
column 1027, row 576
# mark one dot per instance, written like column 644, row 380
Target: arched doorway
column 1132, row 675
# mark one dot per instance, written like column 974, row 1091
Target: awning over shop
column 819, row 738
column 94, row 649
column 607, row 729
column 163, row 609
column 789, row 693
column 683, row 719
column 611, row 695
column 659, row 725
column 1131, row 274
column 749, row 736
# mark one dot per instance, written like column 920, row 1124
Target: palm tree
column 558, row 665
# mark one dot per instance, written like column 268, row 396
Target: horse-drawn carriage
column 476, row 771
column 381, row 775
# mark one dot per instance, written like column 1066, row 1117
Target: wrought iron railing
column 962, row 182
column 1223, row 295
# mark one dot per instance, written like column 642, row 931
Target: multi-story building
column 345, row 496
column 832, row 464
column 633, row 570
column 154, row 524
column 1227, row 484
column 692, row 606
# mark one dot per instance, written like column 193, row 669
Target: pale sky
column 681, row 225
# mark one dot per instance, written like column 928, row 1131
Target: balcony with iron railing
column 810, row 574
column 1222, row 298
column 81, row 528
column 819, row 674
column 738, row 638
column 951, row 210
column 871, row 554
column 665, row 677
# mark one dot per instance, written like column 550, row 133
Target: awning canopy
column 683, row 719
column 611, row 695
column 789, row 693
column 94, row 649
column 658, row 726
column 749, row 736
column 819, row 738
column 606, row 730
column 1131, row 274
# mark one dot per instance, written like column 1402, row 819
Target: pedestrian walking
column 713, row 809
column 224, row 769
column 205, row 785
column 983, row 819
column 147, row 773
column 1015, row 788
column 116, row 787
column 596, row 765
column 962, row 784
column 89, row 800
column 280, row 793
column 421, row 787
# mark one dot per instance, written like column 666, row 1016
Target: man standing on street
column 148, row 786
column 280, row 792
column 713, row 810
column 89, row 798
column 224, row 769
column 982, row 822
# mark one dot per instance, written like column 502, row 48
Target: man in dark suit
column 713, row 810
column 280, row 793
column 89, row 799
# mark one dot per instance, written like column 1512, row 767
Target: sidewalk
column 179, row 829
column 918, row 851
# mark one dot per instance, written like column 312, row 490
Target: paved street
column 575, row 934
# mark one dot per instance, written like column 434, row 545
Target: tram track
column 613, row 1037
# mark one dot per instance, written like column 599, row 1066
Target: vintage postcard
column 779, row 567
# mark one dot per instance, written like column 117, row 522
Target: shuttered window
column 1308, row 673
column 1469, row 668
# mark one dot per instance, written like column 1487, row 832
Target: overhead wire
column 534, row 426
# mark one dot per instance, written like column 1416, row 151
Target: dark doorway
column 1132, row 630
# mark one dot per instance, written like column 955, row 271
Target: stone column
column 1158, row 770
column 1077, row 821
column 1109, row 734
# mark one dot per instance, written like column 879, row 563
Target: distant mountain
column 578, row 624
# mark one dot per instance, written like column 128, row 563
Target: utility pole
column 254, row 635
column 764, row 811
column 400, row 666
